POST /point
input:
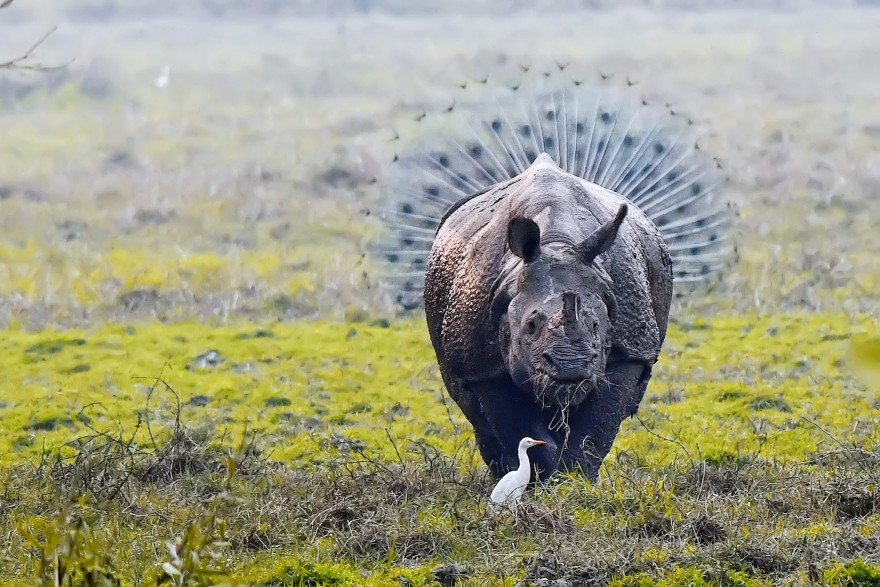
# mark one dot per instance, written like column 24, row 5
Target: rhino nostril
column 548, row 358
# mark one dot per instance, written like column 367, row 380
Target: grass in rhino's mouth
column 568, row 391
column 553, row 378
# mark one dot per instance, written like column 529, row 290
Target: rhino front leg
column 490, row 447
column 595, row 423
column 511, row 415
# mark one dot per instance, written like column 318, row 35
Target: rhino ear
column 524, row 238
column 601, row 240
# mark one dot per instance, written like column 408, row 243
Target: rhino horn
column 601, row 239
column 571, row 310
column 524, row 238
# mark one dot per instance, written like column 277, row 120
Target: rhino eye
column 532, row 324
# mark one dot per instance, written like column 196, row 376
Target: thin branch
column 854, row 451
column 397, row 452
column 19, row 62
column 674, row 440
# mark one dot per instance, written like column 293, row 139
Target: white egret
column 164, row 77
column 510, row 489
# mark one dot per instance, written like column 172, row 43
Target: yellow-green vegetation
column 728, row 388
column 287, row 383
column 202, row 383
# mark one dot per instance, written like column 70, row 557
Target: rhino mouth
column 563, row 390
column 572, row 379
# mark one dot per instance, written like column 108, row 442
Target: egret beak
column 537, row 442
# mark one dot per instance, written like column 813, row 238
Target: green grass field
column 203, row 385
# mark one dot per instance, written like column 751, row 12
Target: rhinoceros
column 547, row 299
